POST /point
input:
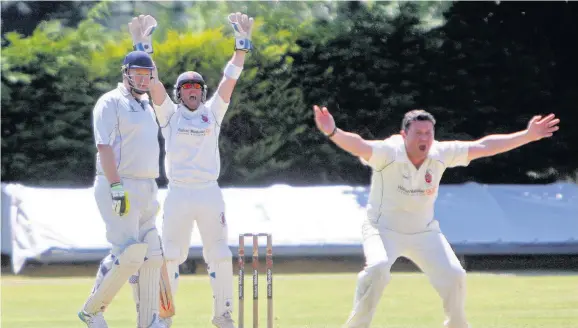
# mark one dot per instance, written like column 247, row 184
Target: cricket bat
column 167, row 306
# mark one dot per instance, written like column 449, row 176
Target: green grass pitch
column 315, row 300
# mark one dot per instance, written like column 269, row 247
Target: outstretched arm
column 539, row 127
column 350, row 142
column 243, row 26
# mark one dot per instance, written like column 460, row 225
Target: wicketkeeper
column 191, row 126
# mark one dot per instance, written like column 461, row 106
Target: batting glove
column 242, row 26
column 141, row 29
column 120, row 202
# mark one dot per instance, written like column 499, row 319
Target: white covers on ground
column 63, row 225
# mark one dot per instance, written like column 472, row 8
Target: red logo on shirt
column 428, row 176
column 205, row 118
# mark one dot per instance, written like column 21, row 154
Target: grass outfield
column 314, row 301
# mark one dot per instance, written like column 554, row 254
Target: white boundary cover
column 40, row 223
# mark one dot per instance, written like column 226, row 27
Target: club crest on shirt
column 223, row 220
column 428, row 177
column 204, row 118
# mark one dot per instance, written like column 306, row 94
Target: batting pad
column 145, row 283
column 148, row 296
column 123, row 267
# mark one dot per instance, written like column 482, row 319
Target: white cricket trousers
column 122, row 231
column 183, row 206
column 429, row 250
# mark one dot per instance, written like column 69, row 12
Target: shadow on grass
column 516, row 265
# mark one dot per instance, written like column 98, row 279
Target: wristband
column 233, row 71
column 332, row 133
column 143, row 46
column 243, row 44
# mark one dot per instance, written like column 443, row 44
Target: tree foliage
column 480, row 68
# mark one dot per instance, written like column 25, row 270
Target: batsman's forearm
column 500, row 143
column 108, row 163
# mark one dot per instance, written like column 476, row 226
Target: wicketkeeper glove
column 242, row 26
column 141, row 29
column 120, row 202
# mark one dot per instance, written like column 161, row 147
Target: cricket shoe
column 159, row 323
column 93, row 320
column 168, row 322
column 224, row 321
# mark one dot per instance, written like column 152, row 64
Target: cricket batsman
column 407, row 169
column 127, row 163
column 191, row 129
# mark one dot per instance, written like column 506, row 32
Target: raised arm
column 242, row 27
column 158, row 92
column 141, row 29
column 350, row 142
column 539, row 127
column 231, row 74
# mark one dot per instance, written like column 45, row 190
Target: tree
column 368, row 72
column 47, row 97
column 499, row 65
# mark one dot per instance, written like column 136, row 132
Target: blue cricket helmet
column 136, row 59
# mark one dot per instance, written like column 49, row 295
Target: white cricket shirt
column 130, row 127
column 192, row 141
column 401, row 197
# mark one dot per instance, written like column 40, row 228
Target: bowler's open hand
column 323, row 119
column 542, row 127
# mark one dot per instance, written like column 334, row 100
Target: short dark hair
column 416, row 115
